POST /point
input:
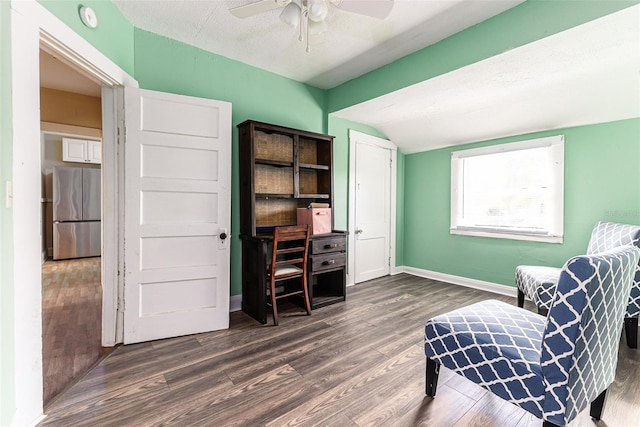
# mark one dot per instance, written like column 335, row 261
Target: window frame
column 555, row 231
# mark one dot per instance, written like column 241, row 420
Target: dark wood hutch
column 283, row 169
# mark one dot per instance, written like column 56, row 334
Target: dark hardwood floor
column 71, row 321
column 358, row 363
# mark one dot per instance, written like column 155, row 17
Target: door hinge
column 389, row 261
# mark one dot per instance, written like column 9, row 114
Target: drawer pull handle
column 331, row 246
column 329, row 262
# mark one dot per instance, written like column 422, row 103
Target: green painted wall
column 166, row 65
column 113, row 36
column 7, row 312
column 515, row 27
column 602, row 182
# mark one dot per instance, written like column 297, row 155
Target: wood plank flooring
column 71, row 321
column 358, row 363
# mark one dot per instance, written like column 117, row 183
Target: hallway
column 71, row 321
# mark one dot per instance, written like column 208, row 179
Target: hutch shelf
column 283, row 169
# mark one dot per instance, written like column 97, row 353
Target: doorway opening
column 71, row 134
column 34, row 28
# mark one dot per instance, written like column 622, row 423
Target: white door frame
column 33, row 27
column 356, row 137
column 58, row 39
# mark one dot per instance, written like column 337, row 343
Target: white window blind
column 513, row 191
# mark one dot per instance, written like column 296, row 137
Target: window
column 509, row 191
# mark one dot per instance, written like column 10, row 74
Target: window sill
column 506, row 235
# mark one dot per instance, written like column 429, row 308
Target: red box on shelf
column 318, row 219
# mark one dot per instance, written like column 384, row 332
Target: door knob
column 222, row 243
column 359, row 231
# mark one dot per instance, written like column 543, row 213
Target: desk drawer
column 332, row 244
column 328, row 261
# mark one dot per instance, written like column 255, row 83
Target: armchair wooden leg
column 597, row 406
column 631, row 331
column 433, row 369
column 546, row 423
column 520, row 298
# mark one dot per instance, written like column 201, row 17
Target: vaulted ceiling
column 587, row 74
column 351, row 45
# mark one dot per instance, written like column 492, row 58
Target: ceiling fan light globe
column 317, row 10
column 317, row 27
column 290, row 15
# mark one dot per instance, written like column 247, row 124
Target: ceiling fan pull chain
column 300, row 38
column 306, row 24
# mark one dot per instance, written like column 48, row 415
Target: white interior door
column 177, row 215
column 372, row 211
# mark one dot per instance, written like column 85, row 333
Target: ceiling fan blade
column 258, row 7
column 375, row 8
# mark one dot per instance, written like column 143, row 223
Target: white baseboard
column 38, row 420
column 397, row 270
column 235, row 303
column 496, row 288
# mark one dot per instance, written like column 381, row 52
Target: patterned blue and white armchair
column 539, row 283
column 552, row 367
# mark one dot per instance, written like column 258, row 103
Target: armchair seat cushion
column 539, row 283
column 495, row 345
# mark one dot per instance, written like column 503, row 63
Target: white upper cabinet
column 81, row 150
column 94, row 151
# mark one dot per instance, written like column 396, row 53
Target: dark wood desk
column 326, row 271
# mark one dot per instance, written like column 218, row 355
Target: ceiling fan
column 375, row 8
column 310, row 14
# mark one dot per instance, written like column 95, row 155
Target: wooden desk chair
column 289, row 266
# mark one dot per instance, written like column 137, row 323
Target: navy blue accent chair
column 553, row 367
column 539, row 283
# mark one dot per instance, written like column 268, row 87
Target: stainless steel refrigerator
column 76, row 212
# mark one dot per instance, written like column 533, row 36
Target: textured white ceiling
column 352, row 45
column 588, row 74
